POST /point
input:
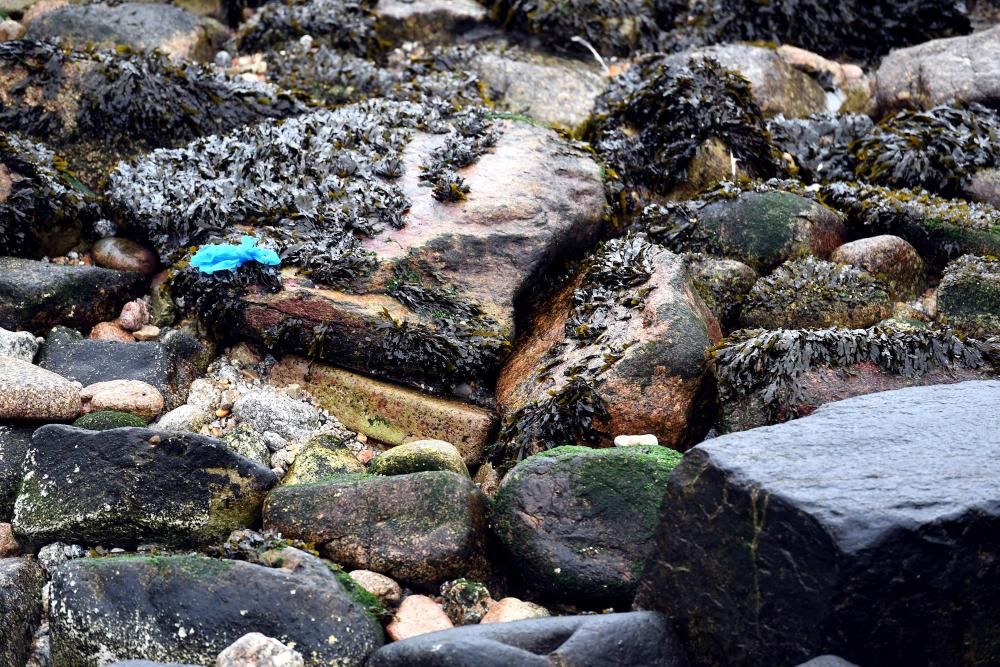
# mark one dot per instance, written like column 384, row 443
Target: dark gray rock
column 14, row 440
column 127, row 486
column 853, row 532
column 87, row 361
column 190, row 608
column 21, row 581
column 37, row 296
column 610, row 640
column 827, row 661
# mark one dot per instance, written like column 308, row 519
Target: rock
column 827, row 661
column 957, row 69
column 968, row 297
column 137, row 25
column 110, row 331
column 10, row 29
column 21, row 581
column 983, row 186
column 18, row 344
column 812, row 294
column 191, row 608
column 889, row 259
column 640, row 340
column 842, row 75
column 647, row 439
column 132, row 485
column 91, row 361
column 30, row 392
column 465, row 602
column 577, row 523
column 509, row 610
column 421, row 528
column 247, row 443
column 255, row 650
column 135, row 315
column 53, row 555
column 124, row 255
column 418, row 456
column 183, row 419
column 268, row 410
column 9, row 546
column 385, row 589
column 107, row 420
column 430, row 22
column 417, row 615
column 323, row 456
column 603, row 640
column 882, row 533
column 387, row 412
column 148, row 332
column 14, row 440
column 36, row 296
column 777, row 87
column 132, row 396
column 207, row 395
column 722, row 284
column 765, row 229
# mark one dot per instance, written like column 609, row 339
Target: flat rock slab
column 21, row 581
column 422, row 528
column 852, row 532
column 610, row 640
column 36, row 296
column 190, row 608
column 128, row 486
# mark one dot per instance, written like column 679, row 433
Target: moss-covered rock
column 324, row 455
column 418, row 456
column 249, row 444
column 722, row 284
column 890, row 260
column 465, row 602
column 968, row 297
column 811, row 293
column 578, row 523
column 108, row 419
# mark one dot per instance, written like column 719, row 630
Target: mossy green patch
column 108, row 419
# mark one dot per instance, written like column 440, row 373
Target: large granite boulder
column 608, row 640
column 422, row 528
column 128, row 486
column 578, row 523
column 29, row 392
column 852, row 531
column 190, row 608
column 21, row 581
column 620, row 349
column 37, row 296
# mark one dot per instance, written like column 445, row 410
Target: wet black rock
column 609, row 640
column 36, row 296
column 190, row 608
column 21, row 581
column 14, row 441
column 851, row 531
column 130, row 486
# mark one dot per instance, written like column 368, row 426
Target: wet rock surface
column 21, row 581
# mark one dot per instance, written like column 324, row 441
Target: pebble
column 135, row 315
column 148, row 332
column 513, row 609
column 30, row 392
column 124, row 255
column 110, row 331
column 8, row 543
column 257, row 650
column 21, row 345
column 132, row 396
column 384, row 588
column 631, row 440
column 417, row 615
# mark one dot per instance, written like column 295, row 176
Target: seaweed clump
column 820, row 145
column 612, row 288
column 217, row 299
column 343, row 24
column 654, row 118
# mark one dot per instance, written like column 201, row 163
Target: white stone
column 630, row 440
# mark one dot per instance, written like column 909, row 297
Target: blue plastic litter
column 226, row 257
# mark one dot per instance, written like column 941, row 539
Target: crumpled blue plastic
column 226, row 257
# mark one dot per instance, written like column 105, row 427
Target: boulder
column 141, row 26
column 578, row 523
column 129, row 486
column 191, row 608
column 968, row 297
column 418, row 456
column 620, row 348
column 849, row 532
column 21, row 581
column 37, row 296
column 14, row 441
column 29, row 392
column 956, row 69
column 889, row 259
column 603, row 640
column 430, row 22
column 19, row 344
column 421, row 528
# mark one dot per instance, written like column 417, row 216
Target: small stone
column 417, row 615
column 466, row 602
column 55, row 554
column 384, row 588
column 420, row 456
column 135, row 315
column 183, row 419
column 124, row 255
column 30, row 392
column 9, row 546
column 256, row 650
column 247, row 443
column 148, row 332
column 132, row 396
column 110, row 331
column 266, row 410
column 221, row 413
column 513, row 609
column 11, row 29
column 630, row 440
column 19, row 344
column 487, row 479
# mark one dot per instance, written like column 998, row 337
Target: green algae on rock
column 968, row 297
column 418, row 456
column 108, row 419
column 323, row 456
